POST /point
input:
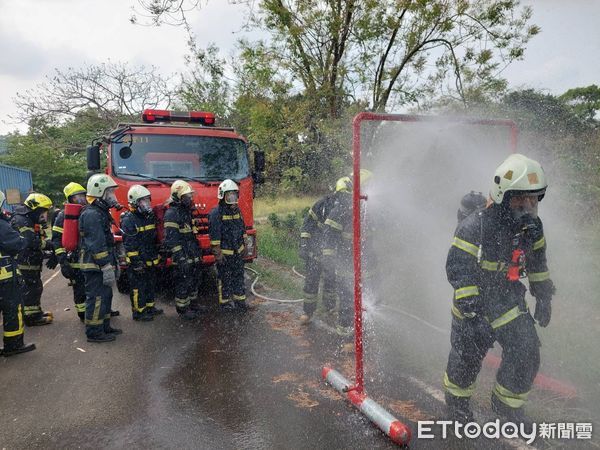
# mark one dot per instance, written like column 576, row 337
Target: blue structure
column 13, row 180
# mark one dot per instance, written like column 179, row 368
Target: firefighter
column 227, row 234
column 311, row 246
column 97, row 257
column 491, row 250
column 140, row 241
column 69, row 261
column 11, row 306
column 338, row 250
column 29, row 220
column 180, row 240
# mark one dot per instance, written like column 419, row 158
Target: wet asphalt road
column 226, row 381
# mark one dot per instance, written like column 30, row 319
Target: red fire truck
column 171, row 145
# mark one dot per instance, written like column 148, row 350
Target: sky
column 37, row 36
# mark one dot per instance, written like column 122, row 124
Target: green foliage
column 55, row 154
column 585, row 102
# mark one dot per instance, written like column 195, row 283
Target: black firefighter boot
column 459, row 408
column 110, row 330
column 16, row 349
column 508, row 414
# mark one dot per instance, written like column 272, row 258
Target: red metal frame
column 357, row 197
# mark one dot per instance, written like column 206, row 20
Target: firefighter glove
column 138, row 267
column 303, row 251
column 66, row 270
column 108, row 275
column 216, row 249
column 52, row 261
column 543, row 311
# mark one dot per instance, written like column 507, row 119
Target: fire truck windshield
column 203, row 158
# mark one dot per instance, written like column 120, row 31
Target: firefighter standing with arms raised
column 311, row 247
column 338, row 251
column 140, row 242
column 97, row 257
column 11, row 306
column 29, row 220
column 490, row 251
column 69, row 261
column 180, row 240
column 227, row 232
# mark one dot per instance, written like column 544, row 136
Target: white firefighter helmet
column 518, row 174
column 2, row 198
column 180, row 187
column 136, row 193
column 226, row 186
column 344, row 184
column 98, row 184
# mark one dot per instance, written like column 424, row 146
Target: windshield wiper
column 141, row 175
column 196, row 179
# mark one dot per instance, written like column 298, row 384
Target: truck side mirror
column 93, row 158
column 259, row 161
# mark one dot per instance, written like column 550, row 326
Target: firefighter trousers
column 345, row 292
column 142, row 289
column 186, row 283
column 78, row 285
column 98, row 303
column 313, row 270
column 32, row 294
column 12, row 314
column 230, row 279
column 520, row 359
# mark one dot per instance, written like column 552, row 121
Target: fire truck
column 167, row 146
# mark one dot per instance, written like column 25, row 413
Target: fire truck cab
column 171, row 145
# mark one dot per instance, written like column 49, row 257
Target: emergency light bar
column 161, row 115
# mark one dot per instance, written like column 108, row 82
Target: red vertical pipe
column 358, row 337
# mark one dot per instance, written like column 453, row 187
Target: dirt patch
column 285, row 322
column 287, row 377
column 303, row 399
column 408, row 410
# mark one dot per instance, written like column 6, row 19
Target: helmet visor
column 144, row 205
column 231, row 197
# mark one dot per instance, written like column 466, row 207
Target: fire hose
column 264, row 297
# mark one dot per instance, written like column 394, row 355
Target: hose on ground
column 264, row 297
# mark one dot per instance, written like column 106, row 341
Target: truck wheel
column 123, row 283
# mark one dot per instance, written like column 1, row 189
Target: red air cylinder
column 70, row 237
column 516, row 262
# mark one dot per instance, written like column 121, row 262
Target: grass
column 278, row 244
column 281, row 205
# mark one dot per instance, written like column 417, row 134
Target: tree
column 388, row 52
column 113, row 90
column 55, row 154
column 585, row 102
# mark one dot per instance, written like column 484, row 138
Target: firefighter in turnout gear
column 97, row 257
column 227, row 233
column 311, row 247
column 140, row 241
column 69, row 261
column 180, row 240
column 11, row 306
column 492, row 249
column 338, row 250
column 29, row 220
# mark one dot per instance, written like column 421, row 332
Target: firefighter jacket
column 96, row 242
column 180, row 234
column 226, row 229
column 478, row 262
column 140, row 238
column 314, row 223
column 11, row 243
column 32, row 255
column 59, row 250
column 337, row 230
